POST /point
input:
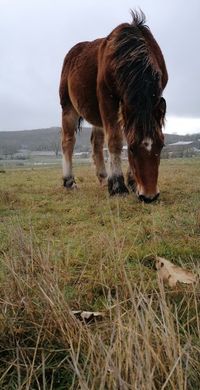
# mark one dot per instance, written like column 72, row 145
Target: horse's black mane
column 137, row 79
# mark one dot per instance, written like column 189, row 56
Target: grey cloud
column 35, row 36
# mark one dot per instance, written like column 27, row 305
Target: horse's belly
column 85, row 102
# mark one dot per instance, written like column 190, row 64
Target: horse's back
column 72, row 56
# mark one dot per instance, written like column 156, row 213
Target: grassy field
column 69, row 250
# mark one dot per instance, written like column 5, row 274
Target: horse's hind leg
column 69, row 123
column 97, row 141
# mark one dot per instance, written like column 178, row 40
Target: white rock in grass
column 87, row 315
column 170, row 273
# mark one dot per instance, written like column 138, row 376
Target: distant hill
column 172, row 138
column 49, row 140
column 39, row 140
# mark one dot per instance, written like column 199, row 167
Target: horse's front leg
column 109, row 108
column 116, row 185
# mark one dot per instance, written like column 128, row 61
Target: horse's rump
column 78, row 84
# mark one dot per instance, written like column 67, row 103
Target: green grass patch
column 62, row 250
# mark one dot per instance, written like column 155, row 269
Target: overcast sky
column 35, row 35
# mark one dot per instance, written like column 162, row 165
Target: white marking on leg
column 100, row 166
column 115, row 164
column 67, row 167
column 147, row 143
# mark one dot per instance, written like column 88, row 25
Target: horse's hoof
column 74, row 187
column 132, row 185
column 116, row 186
column 130, row 181
column 69, row 183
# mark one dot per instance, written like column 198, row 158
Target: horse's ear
column 162, row 106
column 160, row 111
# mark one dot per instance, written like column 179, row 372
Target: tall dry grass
column 147, row 340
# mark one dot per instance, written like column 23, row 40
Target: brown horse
column 116, row 84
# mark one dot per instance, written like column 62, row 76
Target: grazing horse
column 116, row 84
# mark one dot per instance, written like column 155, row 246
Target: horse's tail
column 80, row 123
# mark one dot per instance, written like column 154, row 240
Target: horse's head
column 144, row 155
column 140, row 76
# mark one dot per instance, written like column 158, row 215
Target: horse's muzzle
column 147, row 199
